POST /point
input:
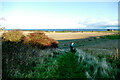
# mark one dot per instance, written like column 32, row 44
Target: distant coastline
column 67, row 29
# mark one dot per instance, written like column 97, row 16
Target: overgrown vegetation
column 17, row 58
column 33, row 63
column 114, row 36
column 32, row 39
column 13, row 36
column 23, row 61
column 39, row 39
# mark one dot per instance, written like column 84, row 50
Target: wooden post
column 117, row 53
column 115, row 57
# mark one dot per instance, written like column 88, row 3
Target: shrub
column 13, row 36
column 39, row 39
column 34, row 39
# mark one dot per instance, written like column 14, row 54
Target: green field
column 94, row 59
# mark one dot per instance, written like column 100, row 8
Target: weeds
column 114, row 36
column 64, row 65
column 13, row 36
column 22, row 61
column 37, row 39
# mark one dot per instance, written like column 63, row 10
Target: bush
column 13, row 36
column 33, row 39
column 39, row 40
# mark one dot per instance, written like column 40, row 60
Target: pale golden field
column 76, row 35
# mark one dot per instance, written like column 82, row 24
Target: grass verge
column 114, row 36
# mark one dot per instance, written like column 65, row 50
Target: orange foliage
column 39, row 39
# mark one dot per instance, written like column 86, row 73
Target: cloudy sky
column 59, row 15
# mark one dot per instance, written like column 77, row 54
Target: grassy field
column 94, row 59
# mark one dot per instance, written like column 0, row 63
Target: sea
column 68, row 29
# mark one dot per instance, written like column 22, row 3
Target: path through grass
column 73, row 65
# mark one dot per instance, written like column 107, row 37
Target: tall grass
column 18, row 58
column 114, row 36
column 96, row 67
column 56, row 63
column 76, row 65
column 22, row 61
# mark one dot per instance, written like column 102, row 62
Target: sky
column 59, row 15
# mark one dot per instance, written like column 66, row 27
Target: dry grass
column 13, row 36
column 30, row 38
column 32, row 62
column 76, row 35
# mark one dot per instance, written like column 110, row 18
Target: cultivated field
column 76, row 35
